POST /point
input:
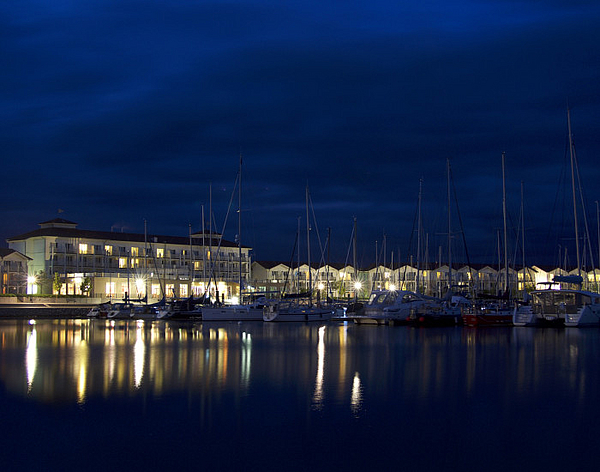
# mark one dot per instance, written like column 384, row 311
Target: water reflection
column 31, row 357
column 328, row 365
column 318, row 396
column 356, row 399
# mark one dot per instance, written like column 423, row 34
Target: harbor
column 321, row 395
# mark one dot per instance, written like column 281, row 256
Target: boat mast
column 419, row 231
column 191, row 260
column 298, row 257
column 240, row 228
column 203, row 252
column 354, row 261
column 210, row 256
column 523, row 238
column 506, row 285
column 449, row 230
column 146, row 258
column 308, row 250
column 573, row 188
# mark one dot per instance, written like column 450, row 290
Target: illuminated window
column 83, row 248
column 134, row 251
column 183, row 291
column 160, row 252
column 108, row 250
column 122, row 263
column 110, row 289
column 156, row 290
column 197, row 265
column 170, row 289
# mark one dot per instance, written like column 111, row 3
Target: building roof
column 314, row 265
column 60, row 221
column 74, row 233
column 6, row 252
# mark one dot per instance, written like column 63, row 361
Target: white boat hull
column 298, row 314
column 588, row 315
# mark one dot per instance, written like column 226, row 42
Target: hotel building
column 108, row 265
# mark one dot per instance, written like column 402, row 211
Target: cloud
column 136, row 108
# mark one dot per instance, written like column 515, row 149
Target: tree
column 56, row 284
column 86, row 286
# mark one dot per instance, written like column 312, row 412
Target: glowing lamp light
column 139, row 285
column 392, row 287
column 357, row 285
column 320, row 286
column 31, row 279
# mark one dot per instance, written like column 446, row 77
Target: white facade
column 120, row 265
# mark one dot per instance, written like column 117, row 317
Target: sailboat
column 300, row 307
column 499, row 313
column 449, row 310
column 570, row 307
column 237, row 312
column 392, row 306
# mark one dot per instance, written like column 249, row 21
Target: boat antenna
column 573, row 189
column 506, row 284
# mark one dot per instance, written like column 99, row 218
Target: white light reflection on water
column 31, row 356
column 318, row 396
column 356, row 398
column 246, row 359
column 139, row 352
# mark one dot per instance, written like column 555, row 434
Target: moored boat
column 560, row 307
column 99, row 311
column 250, row 312
column 120, row 311
column 297, row 309
column 490, row 314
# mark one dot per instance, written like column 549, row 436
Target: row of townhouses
column 60, row 258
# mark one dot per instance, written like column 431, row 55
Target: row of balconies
column 156, row 253
column 167, row 272
column 115, row 262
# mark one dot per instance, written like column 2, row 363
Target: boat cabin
column 561, row 301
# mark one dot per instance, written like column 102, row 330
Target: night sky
column 116, row 112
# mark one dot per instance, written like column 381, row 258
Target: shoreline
column 43, row 310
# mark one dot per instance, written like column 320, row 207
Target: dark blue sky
column 120, row 111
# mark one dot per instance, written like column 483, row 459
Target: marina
column 210, row 395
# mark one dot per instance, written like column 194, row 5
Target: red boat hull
column 488, row 320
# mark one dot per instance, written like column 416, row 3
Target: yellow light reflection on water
column 81, row 384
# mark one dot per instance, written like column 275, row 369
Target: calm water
column 100, row 395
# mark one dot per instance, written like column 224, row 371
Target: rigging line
column 461, row 227
column 583, row 208
column 312, row 208
column 551, row 231
column 347, row 257
column 349, row 247
column 291, row 265
column 410, row 243
column 211, row 273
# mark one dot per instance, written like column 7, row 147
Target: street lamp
column 31, row 285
